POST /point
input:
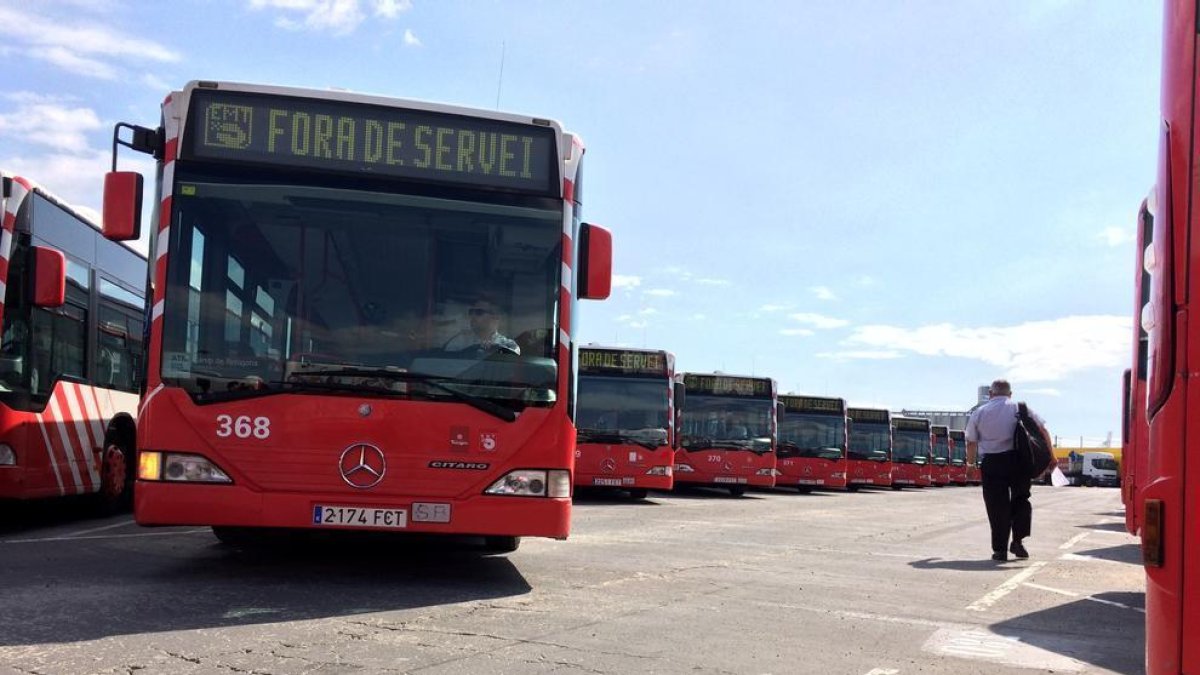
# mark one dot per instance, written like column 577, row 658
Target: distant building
column 951, row 418
column 984, row 393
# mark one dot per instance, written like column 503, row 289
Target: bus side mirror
column 680, row 397
column 49, row 277
column 122, row 217
column 595, row 262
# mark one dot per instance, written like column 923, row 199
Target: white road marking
column 104, row 536
column 1112, row 603
column 1069, row 594
column 883, row 671
column 112, row 526
column 1075, row 557
column 980, row 645
column 982, row 604
column 1073, row 540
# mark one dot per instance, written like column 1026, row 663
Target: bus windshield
column 624, row 406
column 869, row 441
column 911, row 447
column 941, row 450
column 272, row 282
column 803, row 435
column 716, row 422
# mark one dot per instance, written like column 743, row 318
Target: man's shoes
column 1018, row 549
column 1000, row 556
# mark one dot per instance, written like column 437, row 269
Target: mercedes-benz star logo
column 362, row 465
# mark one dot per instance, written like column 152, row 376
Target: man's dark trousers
column 1006, row 495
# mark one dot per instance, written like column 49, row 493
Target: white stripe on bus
column 56, row 416
column 98, row 419
column 87, row 444
column 161, row 246
column 50, row 453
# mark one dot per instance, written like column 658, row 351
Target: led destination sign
column 727, row 385
column 903, row 424
column 868, row 415
column 813, row 404
column 621, row 361
column 372, row 139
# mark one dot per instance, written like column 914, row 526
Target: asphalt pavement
column 874, row 582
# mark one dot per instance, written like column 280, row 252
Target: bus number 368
column 243, row 427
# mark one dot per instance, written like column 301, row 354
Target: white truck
column 1092, row 469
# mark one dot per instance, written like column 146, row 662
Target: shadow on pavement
column 984, row 565
column 586, row 496
column 21, row 516
column 690, row 492
column 1105, row 636
column 75, row 590
column 1125, row 553
column 1106, row 527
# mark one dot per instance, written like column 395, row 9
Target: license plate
column 805, row 481
column 607, row 482
column 359, row 516
column 729, row 479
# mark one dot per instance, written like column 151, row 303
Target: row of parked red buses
column 643, row 427
column 1161, row 432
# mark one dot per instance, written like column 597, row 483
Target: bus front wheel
column 501, row 544
column 737, row 491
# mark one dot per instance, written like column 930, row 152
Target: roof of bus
column 372, row 99
column 34, row 186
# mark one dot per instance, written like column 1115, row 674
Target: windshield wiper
column 434, row 382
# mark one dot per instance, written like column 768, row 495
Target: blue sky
column 890, row 202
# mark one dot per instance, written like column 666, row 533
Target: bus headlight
column 766, row 472
column 179, row 468
column 533, row 483
column 684, row 468
column 8, row 456
column 659, row 471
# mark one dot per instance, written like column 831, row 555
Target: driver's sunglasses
column 479, row 311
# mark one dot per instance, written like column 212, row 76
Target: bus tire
column 897, row 488
column 234, row 537
column 737, row 491
column 639, row 493
column 804, row 489
column 851, row 487
column 117, row 472
column 499, row 544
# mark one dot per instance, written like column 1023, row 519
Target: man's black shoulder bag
column 1034, row 455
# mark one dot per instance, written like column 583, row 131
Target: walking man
column 1005, row 483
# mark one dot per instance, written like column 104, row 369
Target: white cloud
column 390, row 9
column 823, row 293
column 339, row 17
column 625, row 318
column 626, row 281
column 865, row 280
column 699, row 317
column 46, row 121
column 647, row 311
column 660, row 292
column 772, row 308
column 1035, row 351
column 819, row 320
column 638, row 324
column 868, row 354
column 156, row 83
column 708, row 281
column 411, row 39
column 1116, row 236
column 1045, row 391
column 84, row 48
column 796, row 331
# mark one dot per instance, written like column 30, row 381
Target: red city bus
column 940, row 459
column 912, row 450
column 959, row 471
column 1170, row 487
column 728, row 432
column 811, row 451
column 73, row 314
column 869, row 454
column 336, row 276
column 626, row 420
column 1135, row 430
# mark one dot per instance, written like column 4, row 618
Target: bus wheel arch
column 118, row 464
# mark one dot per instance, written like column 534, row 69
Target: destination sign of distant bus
column 867, row 415
column 727, row 385
column 911, row 425
column 616, row 360
column 372, row 139
column 811, row 404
